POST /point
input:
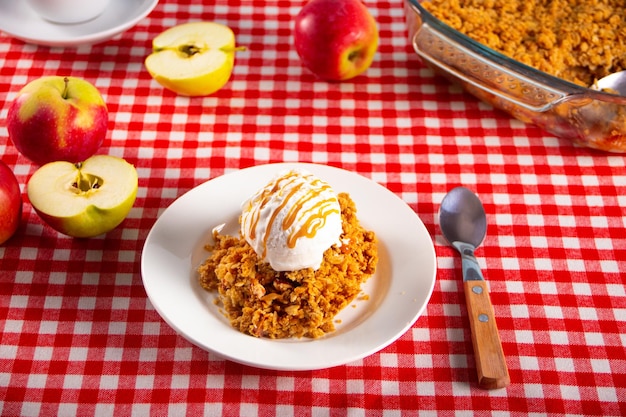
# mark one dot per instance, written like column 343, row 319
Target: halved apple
column 84, row 199
column 193, row 59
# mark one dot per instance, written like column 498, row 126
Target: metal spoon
column 464, row 224
column 615, row 82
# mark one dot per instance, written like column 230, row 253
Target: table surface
column 78, row 335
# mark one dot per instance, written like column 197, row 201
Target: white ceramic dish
column 399, row 291
column 17, row 19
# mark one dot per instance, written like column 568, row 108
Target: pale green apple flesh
column 193, row 59
column 84, row 199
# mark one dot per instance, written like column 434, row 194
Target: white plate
column 398, row 291
column 20, row 21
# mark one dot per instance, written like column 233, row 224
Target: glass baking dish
column 583, row 115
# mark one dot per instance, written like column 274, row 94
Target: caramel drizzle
column 314, row 217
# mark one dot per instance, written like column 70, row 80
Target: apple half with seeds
column 85, row 199
column 193, row 59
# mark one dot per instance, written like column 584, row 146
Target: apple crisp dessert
column 265, row 303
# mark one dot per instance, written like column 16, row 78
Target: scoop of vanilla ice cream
column 292, row 221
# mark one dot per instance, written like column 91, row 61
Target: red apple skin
column 10, row 203
column 57, row 119
column 336, row 39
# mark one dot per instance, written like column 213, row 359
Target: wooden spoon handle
column 490, row 362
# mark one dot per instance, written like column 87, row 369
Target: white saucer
column 19, row 21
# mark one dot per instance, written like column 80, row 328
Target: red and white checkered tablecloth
column 78, row 335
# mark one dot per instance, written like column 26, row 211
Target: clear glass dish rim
column 491, row 55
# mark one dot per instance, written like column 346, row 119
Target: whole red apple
column 10, row 203
column 58, row 118
column 336, row 39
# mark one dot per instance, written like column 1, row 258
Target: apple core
column 189, row 50
column 85, row 182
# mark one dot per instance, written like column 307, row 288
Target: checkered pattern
column 79, row 337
